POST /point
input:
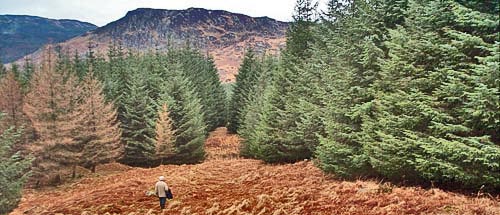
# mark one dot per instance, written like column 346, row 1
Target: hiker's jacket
column 160, row 189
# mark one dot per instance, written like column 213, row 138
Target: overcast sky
column 101, row 12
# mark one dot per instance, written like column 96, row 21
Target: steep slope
column 226, row 184
column 21, row 35
column 222, row 34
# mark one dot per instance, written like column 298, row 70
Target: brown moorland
column 227, row 184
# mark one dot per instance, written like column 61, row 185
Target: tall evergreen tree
column 28, row 70
column 423, row 93
column 165, row 135
column 246, row 80
column 11, row 102
column 202, row 73
column 254, row 113
column 300, row 35
column 50, row 106
column 14, row 169
column 137, row 122
column 100, row 132
column 187, row 116
column 3, row 70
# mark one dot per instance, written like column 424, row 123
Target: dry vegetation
column 226, row 184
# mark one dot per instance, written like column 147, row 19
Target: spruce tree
column 3, row 70
column 300, row 35
column 165, row 135
column 252, row 127
column 28, row 70
column 14, row 169
column 11, row 102
column 421, row 106
column 202, row 73
column 100, row 132
column 187, row 117
column 137, row 122
column 248, row 74
column 50, row 106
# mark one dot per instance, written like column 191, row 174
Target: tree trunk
column 92, row 168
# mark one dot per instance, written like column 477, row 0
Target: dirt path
column 226, row 184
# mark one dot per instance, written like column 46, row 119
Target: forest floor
column 227, row 184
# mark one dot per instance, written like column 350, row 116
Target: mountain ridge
column 24, row 34
column 222, row 34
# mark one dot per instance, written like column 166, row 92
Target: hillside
column 226, row 184
column 222, row 34
column 21, row 35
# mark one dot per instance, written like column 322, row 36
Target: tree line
column 403, row 90
column 141, row 109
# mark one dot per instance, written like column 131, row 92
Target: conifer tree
column 187, row 116
column 165, row 135
column 3, row 70
column 248, row 74
column 78, row 65
column 137, row 122
column 300, row 35
column 28, row 70
column 201, row 72
column 252, row 128
column 14, row 169
column 419, row 111
column 50, row 106
column 100, row 132
column 11, row 102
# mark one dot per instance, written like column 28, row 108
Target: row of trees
column 406, row 90
column 140, row 109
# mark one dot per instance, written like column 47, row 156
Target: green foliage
column 137, row 122
column 248, row 74
column 14, row 170
column 300, row 35
column 187, row 116
column 203, row 75
column 254, row 115
column 405, row 90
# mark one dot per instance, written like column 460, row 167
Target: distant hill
column 222, row 34
column 21, row 35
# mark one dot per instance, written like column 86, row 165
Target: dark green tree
column 300, row 34
column 187, row 116
column 422, row 110
column 137, row 122
column 15, row 170
column 246, row 82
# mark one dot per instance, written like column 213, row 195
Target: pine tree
column 78, row 65
column 14, row 169
column 248, row 74
column 300, row 35
column 28, row 70
column 3, row 70
column 202, row 73
column 137, row 122
column 165, row 135
column 252, row 128
column 50, row 105
column 100, row 132
column 187, row 116
column 423, row 97
column 11, row 102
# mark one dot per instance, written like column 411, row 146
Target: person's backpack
column 169, row 194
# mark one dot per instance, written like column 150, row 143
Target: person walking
column 161, row 191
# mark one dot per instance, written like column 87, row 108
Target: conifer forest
column 406, row 92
